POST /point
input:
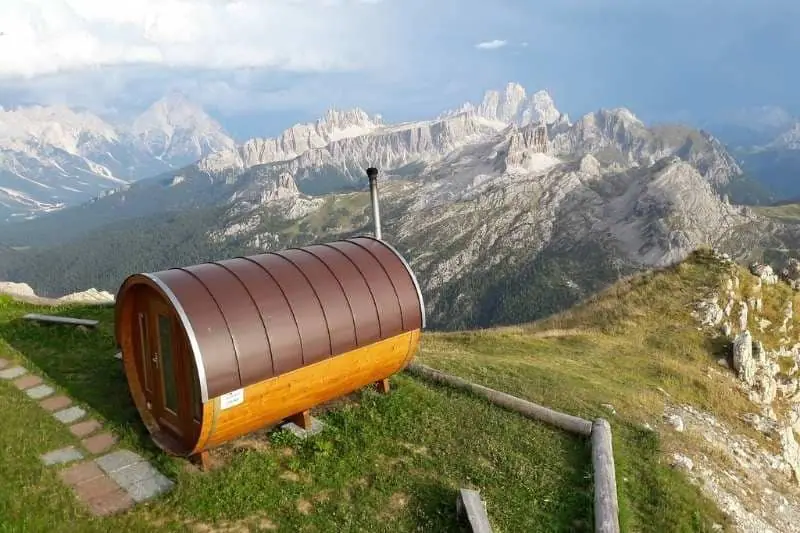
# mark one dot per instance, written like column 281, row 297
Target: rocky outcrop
column 24, row 292
column 758, row 366
column 791, row 274
column 764, row 273
column 748, row 486
column 88, row 296
column 708, row 312
column 16, row 289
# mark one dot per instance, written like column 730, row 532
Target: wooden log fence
column 606, row 506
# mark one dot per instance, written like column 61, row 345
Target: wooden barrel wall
column 263, row 337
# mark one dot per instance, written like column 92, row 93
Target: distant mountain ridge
column 52, row 157
column 502, row 220
column 766, row 142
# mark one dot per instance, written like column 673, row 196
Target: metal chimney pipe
column 372, row 174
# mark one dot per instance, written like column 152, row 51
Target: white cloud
column 49, row 36
column 491, row 45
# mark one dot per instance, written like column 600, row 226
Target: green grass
column 620, row 348
column 395, row 463
column 386, row 463
column 785, row 213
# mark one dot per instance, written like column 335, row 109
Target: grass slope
column 788, row 212
column 394, row 463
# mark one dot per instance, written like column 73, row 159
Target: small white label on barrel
column 232, row 398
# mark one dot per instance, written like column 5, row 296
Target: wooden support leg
column 302, row 419
column 202, row 460
column 383, row 386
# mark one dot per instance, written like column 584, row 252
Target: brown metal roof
column 251, row 318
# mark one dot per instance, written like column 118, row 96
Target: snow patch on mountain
column 175, row 128
column 52, row 157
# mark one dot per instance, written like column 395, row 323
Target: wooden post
column 303, row 419
column 383, row 386
column 202, row 460
column 566, row 422
column 606, row 507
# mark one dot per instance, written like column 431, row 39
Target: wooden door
column 167, row 367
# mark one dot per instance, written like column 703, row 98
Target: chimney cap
column 372, row 172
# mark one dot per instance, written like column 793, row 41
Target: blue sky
column 262, row 65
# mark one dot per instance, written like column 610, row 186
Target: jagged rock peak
column 171, row 112
column 513, row 105
column 300, row 138
column 619, row 115
column 336, row 120
column 163, row 125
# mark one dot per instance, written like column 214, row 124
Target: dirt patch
column 222, row 527
column 322, row 497
column 391, row 461
column 286, row 452
column 259, row 522
column 266, row 524
column 288, row 475
column 304, row 506
column 398, row 500
column 216, row 459
column 417, row 450
column 255, row 444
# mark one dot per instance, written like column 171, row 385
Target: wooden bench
column 61, row 320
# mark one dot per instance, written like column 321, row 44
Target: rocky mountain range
column 52, row 157
column 502, row 220
column 766, row 142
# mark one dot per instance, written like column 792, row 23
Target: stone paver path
column 111, row 481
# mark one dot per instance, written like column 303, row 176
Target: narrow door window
column 144, row 350
column 168, row 363
column 197, row 403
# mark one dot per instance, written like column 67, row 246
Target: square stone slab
column 56, row 403
column 129, row 475
column 99, row 443
column 40, row 391
column 96, row 487
column 316, row 427
column 64, row 455
column 110, row 503
column 149, row 488
column 69, row 415
column 12, row 373
column 27, row 381
column 80, row 473
column 117, row 460
column 85, row 428
column 141, row 480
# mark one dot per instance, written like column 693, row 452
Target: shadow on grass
column 527, row 473
column 81, row 362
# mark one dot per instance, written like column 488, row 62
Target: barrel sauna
column 217, row 350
